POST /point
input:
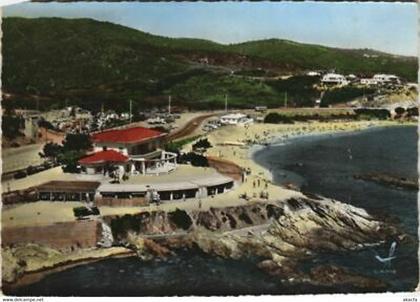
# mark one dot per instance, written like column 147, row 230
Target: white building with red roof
column 132, row 150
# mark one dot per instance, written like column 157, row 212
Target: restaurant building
column 136, row 150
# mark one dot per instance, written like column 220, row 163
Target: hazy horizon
column 384, row 27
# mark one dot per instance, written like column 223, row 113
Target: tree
column 413, row 111
column 77, row 142
column 276, row 118
column 51, row 151
column 202, row 144
column 74, row 147
column 399, row 110
column 196, row 160
column 69, row 160
column 11, row 126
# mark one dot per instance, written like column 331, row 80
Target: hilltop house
column 368, row 81
column 334, row 79
column 381, row 79
column 386, row 79
column 132, row 150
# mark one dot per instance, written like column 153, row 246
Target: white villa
column 368, row 81
column 236, row 119
column 386, row 79
column 381, row 79
column 133, row 150
column 334, row 79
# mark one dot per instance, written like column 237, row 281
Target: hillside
column 87, row 62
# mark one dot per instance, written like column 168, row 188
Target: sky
column 388, row 27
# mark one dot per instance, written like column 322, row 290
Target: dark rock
column 329, row 275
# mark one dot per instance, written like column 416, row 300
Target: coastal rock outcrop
column 390, row 180
column 16, row 260
column 326, row 275
column 280, row 233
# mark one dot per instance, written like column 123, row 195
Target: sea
column 322, row 164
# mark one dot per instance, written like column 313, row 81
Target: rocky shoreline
column 26, row 264
column 281, row 234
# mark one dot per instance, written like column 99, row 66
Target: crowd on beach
column 258, row 183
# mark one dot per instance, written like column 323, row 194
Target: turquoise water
column 326, row 164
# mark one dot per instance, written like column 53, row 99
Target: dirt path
column 189, row 127
column 225, row 167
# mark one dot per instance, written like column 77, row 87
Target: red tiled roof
column 104, row 156
column 128, row 135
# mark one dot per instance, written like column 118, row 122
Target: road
column 189, row 127
column 21, row 157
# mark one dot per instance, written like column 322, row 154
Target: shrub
column 176, row 146
column 195, row 159
column 11, row 126
column 413, row 111
column 51, row 151
column 399, row 110
column 344, row 94
column 276, row 118
column 69, row 161
column 202, row 144
column 77, row 142
column 20, row 174
column 364, row 113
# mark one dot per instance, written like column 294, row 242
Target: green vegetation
column 367, row 114
column 344, row 94
column 194, row 159
column 296, row 91
column 89, row 63
column 11, row 126
column 209, row 90
column 277, row 118
column 51, row 151
column 316, row 57
column 77, row 142
column 202, row 144
column 74, row 147
column 177, row 145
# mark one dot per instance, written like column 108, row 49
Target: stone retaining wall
column 120, row 202
column 62, row 236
